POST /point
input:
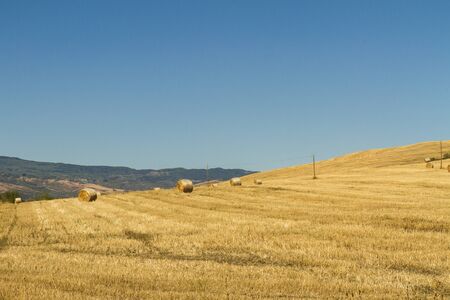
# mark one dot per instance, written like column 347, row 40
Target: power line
column 291, row 160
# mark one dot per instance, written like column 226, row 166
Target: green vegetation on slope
column 9, row 196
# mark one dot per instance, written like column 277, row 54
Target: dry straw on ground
column 235, row 181
column 185, row 186
column 375, row 226
column 87, row 195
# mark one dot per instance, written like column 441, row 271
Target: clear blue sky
column 251, row 84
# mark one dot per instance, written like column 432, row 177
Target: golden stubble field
column 376, row 224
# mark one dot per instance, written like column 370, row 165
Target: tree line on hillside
column 10, row 196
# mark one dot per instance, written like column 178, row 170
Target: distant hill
column 31, row 178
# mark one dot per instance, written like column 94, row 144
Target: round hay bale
column 236, row 181
column 428, row 159
column 185, row 186
column 157, row 189
column 17, row 200
column 216, row 185
column 87, row 195
column 257, row 181
column 430, row 166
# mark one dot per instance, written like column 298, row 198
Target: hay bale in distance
column 430, row 166
column 185, row 186
column 17, row 200
column 236, row 181
column 216, row 185
column 87, row 195
column 257, row 181
column 428, row 159
column 157, row 189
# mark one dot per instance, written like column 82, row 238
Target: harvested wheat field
column 375, row 224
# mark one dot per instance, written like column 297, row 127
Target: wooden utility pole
column 207, row 173
column 442, row 156
column 314, row 167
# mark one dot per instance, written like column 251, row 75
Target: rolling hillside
column 375, row 224
column 32, row 178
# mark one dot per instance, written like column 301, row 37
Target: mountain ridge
column 32, row 178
